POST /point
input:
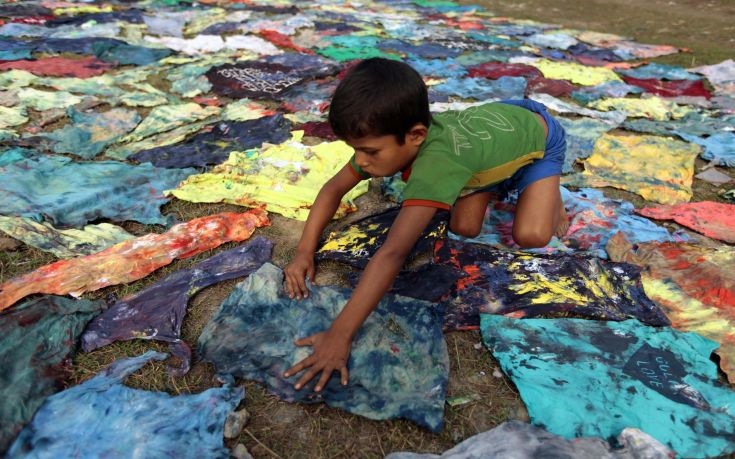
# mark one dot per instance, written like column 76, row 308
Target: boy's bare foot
column 563, row 226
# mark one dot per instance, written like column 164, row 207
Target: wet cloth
column 399, row 364
column 67, row 243
column 521, row 284
column 612, row 375
column 581, row 135
column 658, row 168
column 358, row 242
column 36, row 340
column 719, row 148
column 284, row 178
column 60, row 66
column 713, row 219
column 524, row 441
column 158, row 311
column 102, row 416
column 131, row 260
column 694, row 285
column 68, row 193
column 215, row 142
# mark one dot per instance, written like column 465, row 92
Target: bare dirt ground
column 279, row 429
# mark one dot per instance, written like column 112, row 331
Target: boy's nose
column 361, row 160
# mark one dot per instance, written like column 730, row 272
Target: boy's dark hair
column 379, row 97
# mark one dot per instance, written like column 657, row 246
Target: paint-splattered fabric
column 69, row 193
column 158, row 311
column 659, row 169
column 527, row 285
column 356, row 244
column 612, row 375
column 524, row 441
column 36, row 340
column 694, row 285
column 582, row 133
column 284, row 178
column 133, row 259
column 398, row 365
column 713, row 219
column 103, row 417
column 214, row 144
column 719, row 148
column 67, row 243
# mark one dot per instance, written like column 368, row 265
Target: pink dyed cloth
column 713, row 219
column 84, row 67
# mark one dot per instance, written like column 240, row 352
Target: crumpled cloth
column 131, row 260
column 713, row 219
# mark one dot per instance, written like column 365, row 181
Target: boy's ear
column 417, row 134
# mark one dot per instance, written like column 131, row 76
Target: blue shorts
column 552, row 162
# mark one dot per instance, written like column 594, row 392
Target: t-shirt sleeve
column 356, row 170
column 435, row 181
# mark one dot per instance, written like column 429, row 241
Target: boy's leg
column 468, row 213
column 540, row 214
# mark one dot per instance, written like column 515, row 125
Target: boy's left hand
column 330, row 352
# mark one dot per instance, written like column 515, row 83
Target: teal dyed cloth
column 582, row 378
column 103, row 418
column 36, row 339
column 660, row 72
column 399, row 366
column 69, row 193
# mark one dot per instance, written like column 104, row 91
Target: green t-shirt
column 467, row 150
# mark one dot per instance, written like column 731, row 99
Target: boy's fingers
column 310, row 373
column 310, row 273
column 302, row 291
column 307, row 362
column 344, row 375
column 307, row 341
column 324, row 379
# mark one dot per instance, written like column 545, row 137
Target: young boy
column 454, row 162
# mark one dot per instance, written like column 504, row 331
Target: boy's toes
column 563, row 226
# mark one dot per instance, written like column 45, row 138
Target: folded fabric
column 713, row 219
column 399, row 366
column 103, row 417
column 133, row 259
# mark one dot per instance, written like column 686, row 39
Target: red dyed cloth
column 37, row 20
column 84, row 67
column 713, row 219
column 133, row 259
column 495, row 70
column 556, row 88
column 670, row 88
column 319, row 129
column 279, row 39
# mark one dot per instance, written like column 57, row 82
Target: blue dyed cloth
column 422, row 50
column 443, row 68
column 582, row 133
column 584, row 378
column 68, row 193
column 125, row 54
column 482, row 89
column 104, row 418
column 158, row 311
column 718, row 148
column 37, row 337
column 399, row 366
column 587, row 94
column 655, row 71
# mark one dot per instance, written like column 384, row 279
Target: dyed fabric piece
column 714, row 176
column 694, row 285
column 89, row 133
column 693, row 123
column 660, row 72
column 399, row 364
column 523, row 441
column 134, row 259
column 718, row 74
column 356, row 244
column 167, row 117
column 552, row 103
column 245, row 110
column 46, row 100
column 582, row 133
column 262, row 79
column 606, row 374
column 122, row 53
column 36, row 340
column 68, row 193
column 320, row 129
column 482, row 89
column 521, row 284
column 654, row 107
column 658, row 168
column 556, row 88
column 214, row 145
column 424, row 50
column 718, row 148
column 713, row 219
column 60, row 66
column 576, row 73
column 556, row 39
column 158, row 311
column 671, row 88
column 587, row 94
column 495, row 70
column 12, row 116
column 176, row 135
column 203, row 44
column 68, row 243
column 283, row 178
column 429, row 282
column 119, row 421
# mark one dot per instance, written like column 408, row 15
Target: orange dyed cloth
column 713, row 219
column 60, row 66
column 134, row 259
column 694, row 284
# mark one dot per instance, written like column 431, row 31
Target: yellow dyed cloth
column 284, row 178
column 167, row 117
column 694, row 284
column 660, row 169
column 245, row 110
column 654, row 108
column 74, row 10
column 576, row 73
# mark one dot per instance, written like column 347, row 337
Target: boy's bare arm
column 323, row 209
column 331, row 348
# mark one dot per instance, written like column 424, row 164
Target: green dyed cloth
column 167, row 117
column 12, row 116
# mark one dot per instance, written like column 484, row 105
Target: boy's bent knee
column 532, row 238
column 465, row 229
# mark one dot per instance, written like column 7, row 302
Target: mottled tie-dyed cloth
column 693, row 283
column 520, row 284
column 659, row 169
column 158, row 311
column 104, row 418
column 713, row 219
column 133, row 259
column 36, row 341
column 399, row 366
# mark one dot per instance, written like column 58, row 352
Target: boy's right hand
column 301, row 266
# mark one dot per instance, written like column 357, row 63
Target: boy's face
column 383, row 156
